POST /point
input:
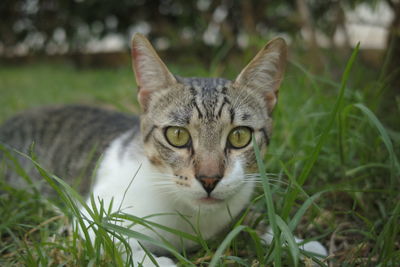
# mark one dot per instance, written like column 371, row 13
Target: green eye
column 177, row 136
column 239, row 137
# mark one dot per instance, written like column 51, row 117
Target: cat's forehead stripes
column 208, row 96
column 180, row 117
column 209, row 99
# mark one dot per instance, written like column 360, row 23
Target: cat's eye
column 239, row 137
column 177, row 136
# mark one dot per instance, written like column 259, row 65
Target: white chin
column 210, row 200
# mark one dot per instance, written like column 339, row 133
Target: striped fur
column 67, row 140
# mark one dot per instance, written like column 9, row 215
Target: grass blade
column 385, row 137
column 228, row 239
column 148, row 223
column 292, row 195
column 270, row 205
column 287, row 234
column 139, row 236
column 300, row 212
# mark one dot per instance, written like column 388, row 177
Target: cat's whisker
column 163, row 182
column 158, row 180
column 162, row 174
column 160, row 184
column 270, row 181
column 260, row 184
column 260, row 177
column 162, row 179
column 165, row 187
column 267, row 173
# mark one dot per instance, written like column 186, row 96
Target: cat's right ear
column 150, row 72
column 265, row 72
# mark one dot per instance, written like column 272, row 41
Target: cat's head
column 197, row 132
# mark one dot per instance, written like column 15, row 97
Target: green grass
column 332, row 175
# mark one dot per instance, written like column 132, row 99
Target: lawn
column 332, row 170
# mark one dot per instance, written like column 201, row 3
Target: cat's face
column 197, row 132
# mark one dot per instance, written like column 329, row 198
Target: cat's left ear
column 150, row 71
column 265, row 72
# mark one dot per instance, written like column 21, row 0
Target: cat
column 188, row 154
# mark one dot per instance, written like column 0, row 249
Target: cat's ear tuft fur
column 150, row 71
column 265, row 72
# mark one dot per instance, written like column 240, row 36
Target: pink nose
column 209, row 183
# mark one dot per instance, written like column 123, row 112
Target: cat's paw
column 313, row 247
column 142, row 259
column 161, row 262
column 165, row 262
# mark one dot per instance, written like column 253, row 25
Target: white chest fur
column 139, row 195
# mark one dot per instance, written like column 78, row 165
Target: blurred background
column 97, row 32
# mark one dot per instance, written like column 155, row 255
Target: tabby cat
column 189, row 153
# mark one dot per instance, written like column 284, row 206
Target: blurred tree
column 393, row 46
column 42, row 25
column 54, row 26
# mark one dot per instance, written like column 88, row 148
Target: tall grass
column 333, row 176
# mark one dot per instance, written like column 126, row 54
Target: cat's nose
column 209, row 183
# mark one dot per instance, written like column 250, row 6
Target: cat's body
column 68, row 140
column 191, row 158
